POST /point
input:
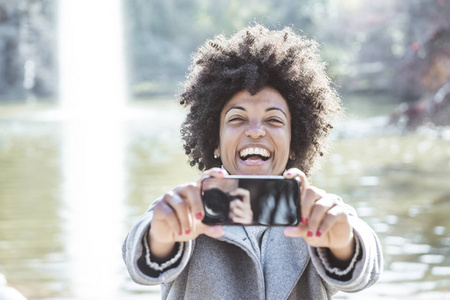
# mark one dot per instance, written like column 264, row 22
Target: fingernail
column 310, row 234
column 318, row 233
column 180, row 232
column 288, row 173
column 304, row 220
column 199, row 215
column 187, row 231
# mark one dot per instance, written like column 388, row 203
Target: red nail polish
column 318, row 233
column 304, row 220
column 180, row 232
column 187, row 231
column 199, row 215
column 310, row 234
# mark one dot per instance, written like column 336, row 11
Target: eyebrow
column 267, row 110
column 277, row 108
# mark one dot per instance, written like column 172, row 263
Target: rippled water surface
column 69, row 191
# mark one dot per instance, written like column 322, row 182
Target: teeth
column 265, row 153
column 254, row 151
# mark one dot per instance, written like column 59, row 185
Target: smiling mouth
column 254, row 154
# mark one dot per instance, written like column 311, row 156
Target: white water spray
column 92, row 106
column 91, row 57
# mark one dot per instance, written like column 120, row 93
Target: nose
column 255, row 130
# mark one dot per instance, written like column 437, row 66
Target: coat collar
column 238, row 236
column 284, row 258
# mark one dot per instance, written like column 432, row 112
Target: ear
column 216, row 152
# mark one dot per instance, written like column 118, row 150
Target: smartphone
column 266, row 200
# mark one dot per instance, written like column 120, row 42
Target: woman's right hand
column 178, row 217
column 241, row 209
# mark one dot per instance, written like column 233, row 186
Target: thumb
column 215, row 231
column 292, row 231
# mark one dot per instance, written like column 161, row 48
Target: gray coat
column 234, row 267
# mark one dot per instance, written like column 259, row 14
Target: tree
column 28, row 44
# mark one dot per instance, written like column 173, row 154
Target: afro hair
column 250, row 60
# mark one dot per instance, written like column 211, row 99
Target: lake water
column 70, row 190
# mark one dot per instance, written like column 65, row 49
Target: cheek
column 284, row 146
column 283, row 138
column 228, row 137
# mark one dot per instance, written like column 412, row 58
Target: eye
column 275, row 121
column 236, row 119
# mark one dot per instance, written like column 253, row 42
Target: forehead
column 267, row 97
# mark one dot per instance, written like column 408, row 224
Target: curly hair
column 250, row 60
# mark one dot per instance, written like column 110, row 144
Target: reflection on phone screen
column 274, row 202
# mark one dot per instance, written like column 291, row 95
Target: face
column 255, row 133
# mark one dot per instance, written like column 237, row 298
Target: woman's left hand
column 324, row 220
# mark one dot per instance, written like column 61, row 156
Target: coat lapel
column 237, row 235
column 285, row 259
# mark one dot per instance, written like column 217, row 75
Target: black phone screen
column 271, row 201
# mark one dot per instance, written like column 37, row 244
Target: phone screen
column 271, row 200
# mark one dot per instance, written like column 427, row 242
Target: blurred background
column 89, row 131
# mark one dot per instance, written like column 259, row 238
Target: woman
column 260, row 104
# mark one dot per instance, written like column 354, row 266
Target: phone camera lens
column 217, row 206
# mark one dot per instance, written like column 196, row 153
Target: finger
column 191, row 195
column 238, row 205
column 234, row 207
column 237, row 214
column 243, row 220
column 236, row 210
column 164, row 216
column 197, row 206
column 319, row 214
column 334, row 215
column 296, row 231
column 241, row 209
column 181, row 208
column 215, row 231
column 213, row 172
column 308, row 200
column 243, row 193
column 304, row 185
column 293, row 173
column 233, row 216
column 241, row 215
